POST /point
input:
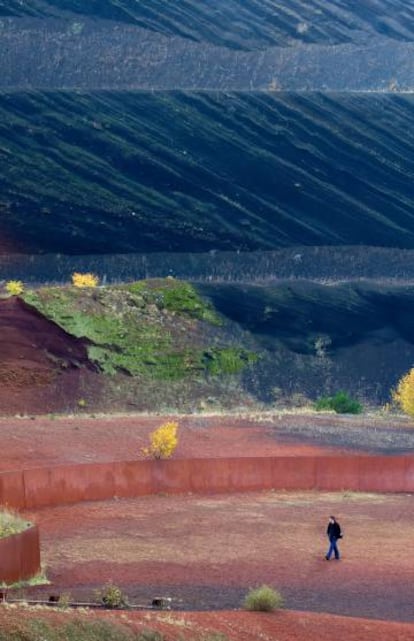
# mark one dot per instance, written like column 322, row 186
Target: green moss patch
column 159, row 329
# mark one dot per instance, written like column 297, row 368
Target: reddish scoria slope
column 42, row 367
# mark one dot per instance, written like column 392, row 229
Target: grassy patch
column 150, row 329
column 11, row 523
column 230, row 360
column 77, row 630
column 39, row 579
column 175, row 296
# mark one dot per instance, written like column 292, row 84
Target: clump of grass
column 228, row 360
column 263, row 599
column 65, row 600
column 11, row 523
column 38, row 579
column 341, row 403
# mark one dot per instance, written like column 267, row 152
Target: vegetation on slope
column 159, row 329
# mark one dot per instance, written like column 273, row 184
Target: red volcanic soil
column 42, row 441
column 42, row 367
column 236, row 626
column 206, row 551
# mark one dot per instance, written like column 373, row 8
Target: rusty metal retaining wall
column 39, row 487
column 33, row 488
column 20, row 556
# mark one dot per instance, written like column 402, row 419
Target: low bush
column 112, row 596
column 341, row 403
column 263, row 599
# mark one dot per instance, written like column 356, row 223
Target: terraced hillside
column 99, row 155
column 131, row 172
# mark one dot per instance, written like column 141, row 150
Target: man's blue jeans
column 333, row 548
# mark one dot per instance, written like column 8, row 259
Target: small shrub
column 14, row 287
column 84, row 280
column 263, row 599
column 404, row 394
column 163, row 441
column 341, row 403
column 112, row 597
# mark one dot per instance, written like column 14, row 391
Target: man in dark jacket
column 334, row 533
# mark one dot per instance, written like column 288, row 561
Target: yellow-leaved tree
column 84, row 280
column 404, row 394
column 163, row 441
column 14, row 287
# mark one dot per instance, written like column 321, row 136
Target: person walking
column 334, row 533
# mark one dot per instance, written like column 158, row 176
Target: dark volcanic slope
column 126, row 172
column 94, row 160
column 318, row 339
column 92, row 54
